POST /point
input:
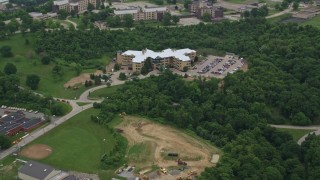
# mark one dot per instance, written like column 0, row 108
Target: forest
column 252, row 149
column 283, row 83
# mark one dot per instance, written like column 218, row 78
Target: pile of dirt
column 81, row 79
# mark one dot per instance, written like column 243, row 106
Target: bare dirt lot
column 80, row 79
column 36, row 151
column 164, row 139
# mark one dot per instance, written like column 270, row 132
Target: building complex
column 146, row 13
column 77, row 6
column 200, row 8
column 12, row 123
column 134, row 60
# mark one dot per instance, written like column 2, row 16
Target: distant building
column 151, row 13
column 12, row 123
column 78, row 6
column 202, row 7
column 134, row 60
column 4, row 1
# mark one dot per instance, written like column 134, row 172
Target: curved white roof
column 140, row 56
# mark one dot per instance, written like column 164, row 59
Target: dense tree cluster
column 283, row 81
column 252, row 149
column 12, row 95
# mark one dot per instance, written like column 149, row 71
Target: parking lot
column 27, row 113
column 214, row 66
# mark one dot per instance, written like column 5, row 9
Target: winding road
column 303, row 138
column 76, row 109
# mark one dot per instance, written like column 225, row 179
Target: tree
column 166, row 19
column 57, row 70
column 127, row 20
column 4, row 142
column 62, row 14
column 90, row 7
column 175, row 19
column 97, row 80
column 6, row 51
column 206, row 17
column 33, row 81
column 295, row 5
column 116, row 67
column 300, row 119
column 186, row 4
column 113, row 21
column 122, row 76
column 185, row 69
column 26, row 42
column 10, row 69
column 46, row 60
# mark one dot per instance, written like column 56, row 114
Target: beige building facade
column 134, row 60
column 152, row 13
column 77, row 6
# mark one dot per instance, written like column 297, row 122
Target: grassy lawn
column 105, row 92
column 78, row 145
column 279, row 18
column 273, row 11
column 313, row 22
column 82, row 103
column 296, row 133
column 141, row 152
column 28, row 62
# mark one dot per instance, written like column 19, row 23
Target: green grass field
column 313, row 22
column 296, row 133
column 141, row 152
column 105, row 92
column 279, row 18
column 78, row 145
column 82, row 103
column 28, row 62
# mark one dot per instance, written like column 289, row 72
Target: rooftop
column 153, row 9
column 140, row 56
column 125, row 11
column 60, row 2
column 36, row 170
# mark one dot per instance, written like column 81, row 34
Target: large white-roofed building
column 134, row 60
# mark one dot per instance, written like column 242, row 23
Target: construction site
column 158, row 151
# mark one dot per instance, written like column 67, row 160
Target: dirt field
column 166, row 139
column 37, row 151
column 80, row 79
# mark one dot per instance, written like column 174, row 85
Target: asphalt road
column 303, row 138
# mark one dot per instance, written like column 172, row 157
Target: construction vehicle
column 181, row 163
column 163, row 170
